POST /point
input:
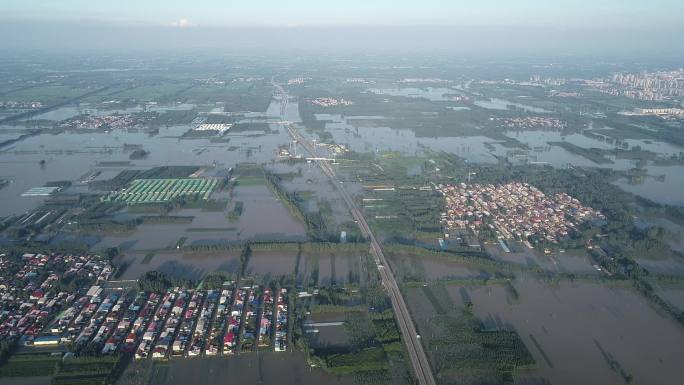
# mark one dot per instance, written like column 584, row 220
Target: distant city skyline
column 274, row 13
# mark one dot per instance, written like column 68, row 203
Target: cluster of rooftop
column 33, row 289
column 660, row 85
column 163, row 190
column 656, row 111
column 115, row 121
column 180, row 322
column 205, row 323
column 19, row 104
column 533, row 123
column 334, row 148
column 298, row 80
column 40, row 191
column 218, row 127
column 424, row 80
column 331, row 102
column 513, row 211
column 105, row 319
column 359, row 81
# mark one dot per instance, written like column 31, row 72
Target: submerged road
column 419, row 361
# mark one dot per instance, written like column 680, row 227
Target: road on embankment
column 419, row 361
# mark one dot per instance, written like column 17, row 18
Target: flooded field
column 370, row 139
column 263, row 368
column 26, row 380
column 676, row 236
column 661, row 185
column 264, row 217
column 577, row 331
column 310, row 182
column 69, row 155
column 408, row 268
column 188, row 266
column 674, row 296
column 271, row 264
column 326, row 330
column 655, row 146
column 665, row 266
column 435, row 94
column 327, row 336
column 565, row 262
column 61, row 113
column 212, row 227
column 503, row 105
column 541, row 151
column 328, row 268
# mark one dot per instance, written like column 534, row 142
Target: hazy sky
column 559, row 13
column 507, row 27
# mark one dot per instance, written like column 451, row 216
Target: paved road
column 419, row 361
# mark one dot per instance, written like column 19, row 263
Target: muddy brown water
column 574, row 323
column 286, row 368
column 433, row 268
column 42, row 380
column 189, row 266
column 337, row 268
column 673, row 296
column 565, row 262
column 271, row 263
column 264, row 218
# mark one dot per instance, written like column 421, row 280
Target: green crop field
column 162, row 190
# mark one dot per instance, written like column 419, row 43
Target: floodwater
column 171, row 107
column 60, row 113
column 9, row 135
column 330, row 331
column 330, row 268
column 559, row 262
column 541, row 151
column 382, row 139
column 664, row 185
column 263, row 218
column 310, row 179
column 676, row 231
column 435, row 94
column 327, row 336
column 271, row 264
column 574, row 323
column 42, row 380
column 177, row 263
column 503, row 104
column 291, row 110
column 673, row 296
column 655, row 146
column 408, row 268
column 659, row 186
column 287, row 368
column 668, row 266
column 69, row 155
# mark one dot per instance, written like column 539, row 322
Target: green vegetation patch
column 148, row 258
column 370, row 359
column 29, row 365
column 251, row 181
column 461, row 350
column 85, row 371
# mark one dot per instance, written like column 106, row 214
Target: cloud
column 183, row 23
